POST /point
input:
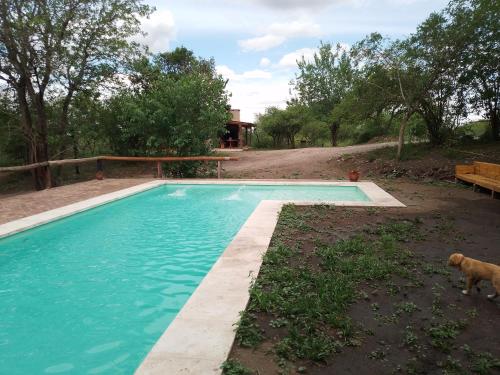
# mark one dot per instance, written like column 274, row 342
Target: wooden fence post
column 48, row 178
column 219, row 169
column 99, row 174
column 159, row 171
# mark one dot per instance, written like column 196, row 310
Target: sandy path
column 316, row 162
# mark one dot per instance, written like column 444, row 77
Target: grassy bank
column 337, row 297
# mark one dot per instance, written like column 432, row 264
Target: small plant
column 247, row 331
column 278, row 323
column 378, row 355
column 482, row 363
column 407, row 307
column 410, row 338
column 233, row 367
column 444, row 334
column 451, row 366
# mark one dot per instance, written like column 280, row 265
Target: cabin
column 238, row 133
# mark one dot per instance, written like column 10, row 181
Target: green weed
column 233, row 367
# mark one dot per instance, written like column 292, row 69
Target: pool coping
column 378, row 197
column 200, row 337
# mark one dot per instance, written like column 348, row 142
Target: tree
column 322, row 83
column 284, row 124
column 434, row 52
column 58, row 48
column 179, row 113
column 477, row 21
column 314, row 131
column 389, row 72
column 271, row 122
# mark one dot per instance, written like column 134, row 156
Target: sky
column 255, row 43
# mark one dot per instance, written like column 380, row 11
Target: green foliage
column 178, row 105
column 52, row 50
column 321, row 84
column 283, row 125
column 233, row 367
column 315, row 132
column 424, row 86
column 12, row 145
column 248, row 331
column 443, row 334
column 306, row 301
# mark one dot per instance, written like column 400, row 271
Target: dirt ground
column 314, row 162
column 450, row 219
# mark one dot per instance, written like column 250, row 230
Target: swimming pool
column 92, row 293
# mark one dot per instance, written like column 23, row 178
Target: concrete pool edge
column 378, row 198
column 200, row 337
column 29, row 222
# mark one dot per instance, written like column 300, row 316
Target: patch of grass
column 403, row 231
column 435, row 269
column 233, row 367
column 378, row 355
column 248, row 333
column 410, row 338
column 451, row 366
column 312, row 303
column 406, row 307
column 481, row 363
column 443, row 334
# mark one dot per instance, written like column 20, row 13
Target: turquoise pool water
column 93, row 292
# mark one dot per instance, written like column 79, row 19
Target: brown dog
column 475, row 271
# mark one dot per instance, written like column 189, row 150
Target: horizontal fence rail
column 99, row 159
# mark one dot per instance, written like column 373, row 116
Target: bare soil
column 314, row 162
column 451, row 219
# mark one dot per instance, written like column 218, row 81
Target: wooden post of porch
column 240, row 136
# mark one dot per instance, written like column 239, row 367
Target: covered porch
column 238, row 135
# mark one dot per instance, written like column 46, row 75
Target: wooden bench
column 482, row 174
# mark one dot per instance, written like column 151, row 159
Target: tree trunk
column 76, row 152
column 401, row 138
column 334, row 130
column 495, row 125
column 36, row 141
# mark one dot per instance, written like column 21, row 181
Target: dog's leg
column 476, row 283
column 468, row 287
column 496, row 284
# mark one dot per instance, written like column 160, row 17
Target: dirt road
column 317, row 162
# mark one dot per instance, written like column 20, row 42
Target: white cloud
column 278, row 33
column 261, row 43
column 297, row 3
column 265, row 62
column 290, row 59
column 230, row 74
column 255, row 90
column 295, row 29
column 159, row 29
column 253, row 97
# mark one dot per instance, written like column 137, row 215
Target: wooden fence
column 99, row 160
